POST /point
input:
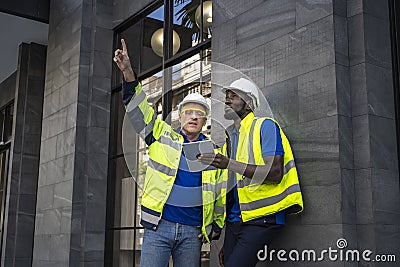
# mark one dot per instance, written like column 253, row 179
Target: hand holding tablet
column 193, row 149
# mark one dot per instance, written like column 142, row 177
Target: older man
column 177, row 205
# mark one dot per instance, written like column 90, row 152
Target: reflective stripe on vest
column 247, row 181
column 270, row 200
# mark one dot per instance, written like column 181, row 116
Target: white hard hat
column 245, row 86
column 194, row 98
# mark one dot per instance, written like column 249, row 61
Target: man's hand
column 217, row 160
column 121, row 58
column 212, row 236
column 221, row 257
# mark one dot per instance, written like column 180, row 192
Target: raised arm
column 142, row 116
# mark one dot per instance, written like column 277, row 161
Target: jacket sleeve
column 142, row 116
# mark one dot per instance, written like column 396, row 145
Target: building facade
column 71, row 170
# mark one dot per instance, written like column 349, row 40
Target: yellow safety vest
column 165, row 149
column 258, row 200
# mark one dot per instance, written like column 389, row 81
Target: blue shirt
column 271, row 145
column 184, row 204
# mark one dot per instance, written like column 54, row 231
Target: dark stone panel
column 76, row 223
column 366, row 237
column 101, row 92
column 354, row 7
column 290, row 55
column 363, row 194
column 283, row 100
column 102, row 64
column 95, row 216
column 254, row 30
column 31, row 144
column 224, row 41
column 308, row 11
column 123, row 9
column 312, row 177
column 315, row 150
column 361, row 142
column 341, row 41
column 356, row 39
column 21, row 262
column 343, row 90
column 95, row 143
column 315, row 236
column 316, row 199
column 378, row 9
column 94, row 246
column 387, row 236
column 104, row 40
column 24, row 241
column 251, row 64
column 61, row 10
column 379, row 85
column 340, row 7
column 383, row 135
column 377, row 41
column 99, row 263
column 97, row 166
column 348, row 197
column 386, row 196
column 345, row 142
column 26, row 205
column 317, row 94
column 100, row 114
column 10, row 227
column 358, row 82
column 104, row 15
column 81, row 142
column 227, row 10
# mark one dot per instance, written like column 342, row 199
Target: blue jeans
column 179, row 240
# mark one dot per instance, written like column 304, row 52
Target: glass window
column 144, row 41
column 187, row 22
column 124, row 241
column 125, row 195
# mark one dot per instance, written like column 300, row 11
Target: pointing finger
column 124, row 46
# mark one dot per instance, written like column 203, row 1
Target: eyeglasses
column 196, row 111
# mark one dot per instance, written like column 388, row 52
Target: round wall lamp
column 207, row 15
column 157, row 42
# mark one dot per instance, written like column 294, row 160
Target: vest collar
column 246, row 122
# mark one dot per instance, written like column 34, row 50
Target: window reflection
column 188, row 20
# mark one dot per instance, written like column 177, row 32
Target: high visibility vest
column 262, row 199
column 165, row 149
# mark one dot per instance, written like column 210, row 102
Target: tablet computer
column 193, row 149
